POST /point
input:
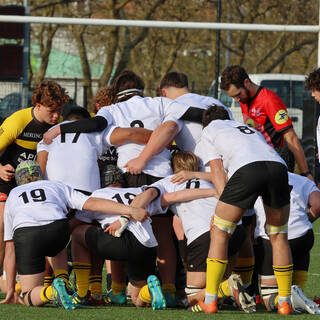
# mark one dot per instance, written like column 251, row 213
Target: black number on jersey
column 129, row 196
column 245, row 130
column 37, row 195
column 193, row 184
column 74, row 140
column 137, row 123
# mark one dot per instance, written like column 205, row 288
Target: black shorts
column 197, row 250
column 141, row 259
column 33, row 244
column 300, row 251
column 143, row 179
column 5, row 188
column 268, row 179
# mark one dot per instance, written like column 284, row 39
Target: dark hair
column 312, row 81
column 214, row 112
column 111, row 174
column 50, row 94
column 174, row 79
column 233, row 75
column 77, row 111
column 122, row 84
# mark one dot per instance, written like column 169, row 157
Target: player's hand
column 135, row 166
column 51, row 134
column 182, row 176
column 139, row 214
column 6, row 172
column 11, row 298
column 113, row 227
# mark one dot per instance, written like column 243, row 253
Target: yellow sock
column 145, row 295
column 48, row 281
column 284, row 279
column 224, row 289
column 299, row 278
column 244, row 267
column 276, row 301
column 117, row 287
column 18, row 288
column 63, row 275
column 95, row 284
column 46, row 293
column 82, row 272
column 215, row 272
column 169, row 288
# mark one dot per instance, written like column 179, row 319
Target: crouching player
column 304, row 194
column 35, row 226
column 137, row 244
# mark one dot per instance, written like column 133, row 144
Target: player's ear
column 246, row 83
column 163, row 92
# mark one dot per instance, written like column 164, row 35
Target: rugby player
column 243, row 167
column 263, row 110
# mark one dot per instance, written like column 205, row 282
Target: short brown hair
column 103, row 97
column 185, row 160
column 233, row 75
column 50, row 94
column 214, row 112
column 174, row 79
column 122, row 84
column 312, row 81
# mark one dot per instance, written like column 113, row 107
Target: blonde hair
column 185, row 160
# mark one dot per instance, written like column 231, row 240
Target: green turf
column 48, row 312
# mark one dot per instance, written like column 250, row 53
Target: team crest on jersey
column 250, row 123
column 281, row 116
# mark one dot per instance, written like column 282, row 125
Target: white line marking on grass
column 315, row 274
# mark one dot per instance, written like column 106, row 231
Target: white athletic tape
column 124, row 222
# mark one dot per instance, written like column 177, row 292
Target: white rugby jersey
column 235, row 144
column 196, row 214
column 147, row 113
column 72, row 158
column 190, row 132
column 298, row 223
column 141, row 230
column 39, row 203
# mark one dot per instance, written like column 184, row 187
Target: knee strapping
column 270, row 230
column 225, row 225
column 28, row 294
column 191, row 290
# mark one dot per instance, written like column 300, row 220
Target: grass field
column 49, row 312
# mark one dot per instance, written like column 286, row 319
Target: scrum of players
column 221, row 221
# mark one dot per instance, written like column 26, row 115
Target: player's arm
column 314, row 206
column 144, row 198
column 218, row 175
column 168, row 199
column 42, row 158
column 159, row 139
column 10, row 269
column 184, row 175
column 295, row 147
column 120, row 136
column 112, row 207
column 97, row 123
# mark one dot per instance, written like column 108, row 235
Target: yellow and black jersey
column 19, row 136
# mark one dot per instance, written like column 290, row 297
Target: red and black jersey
column 268, row 114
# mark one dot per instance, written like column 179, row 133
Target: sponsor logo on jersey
column 281, row 116
column 32, row 135
column 250, row 123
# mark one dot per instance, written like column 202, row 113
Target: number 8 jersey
column 235, row 144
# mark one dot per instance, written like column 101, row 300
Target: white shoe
column 300, row 302
column 244, row 301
